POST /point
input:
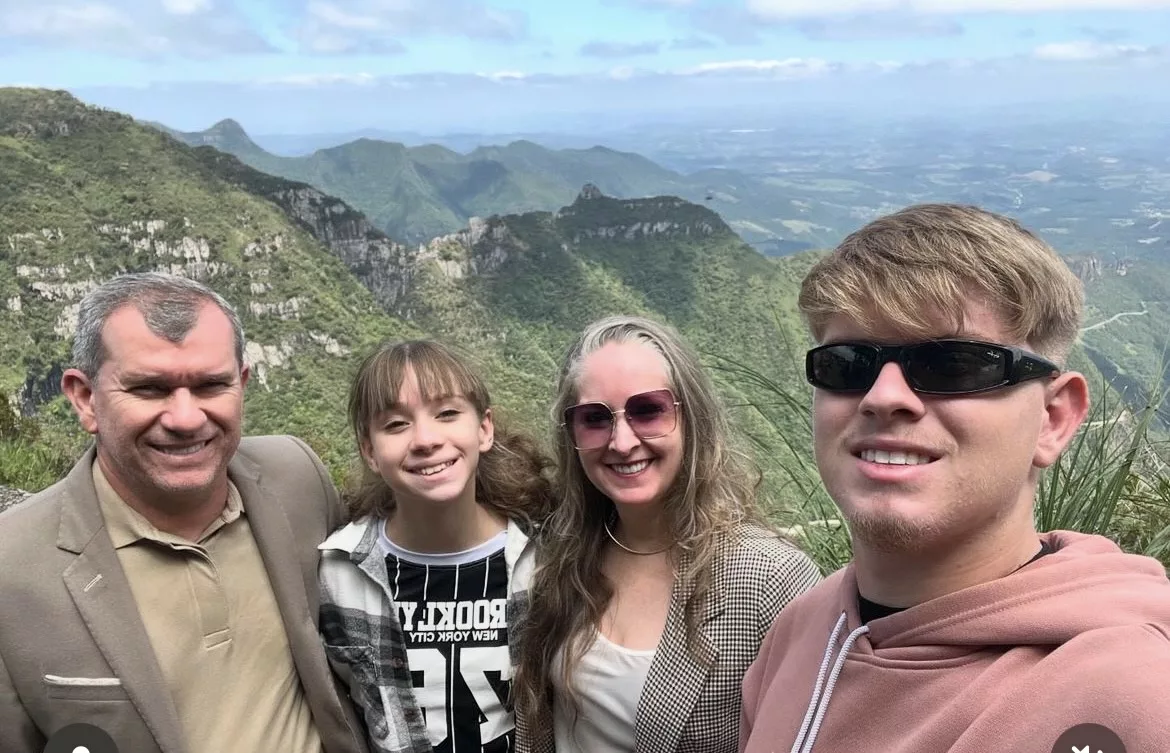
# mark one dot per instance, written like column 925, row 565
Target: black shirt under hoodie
column 871, row 610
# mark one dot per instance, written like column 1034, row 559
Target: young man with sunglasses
column 939, row 399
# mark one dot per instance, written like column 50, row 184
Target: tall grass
column 28, row 466
column 31, row 458
column 798, row 502
column 1112, row 479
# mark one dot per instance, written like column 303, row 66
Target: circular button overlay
column 1089, row 738
column 83, row 738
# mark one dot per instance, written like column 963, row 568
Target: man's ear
column 1065, row 407
column 77, row 387
column 245, row 372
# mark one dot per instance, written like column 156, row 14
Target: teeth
column 631, row 467
column 189, row 450
column 894, row 458
column 431, row 470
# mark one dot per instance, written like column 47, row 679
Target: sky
column 435, row 66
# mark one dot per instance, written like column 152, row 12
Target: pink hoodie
column 1081, row 635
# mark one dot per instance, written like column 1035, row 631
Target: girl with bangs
column 416, row 591
column 656, row 577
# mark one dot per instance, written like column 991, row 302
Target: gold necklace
column 632, row 551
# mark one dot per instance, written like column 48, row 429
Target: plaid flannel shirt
column 364, row 639
column 692, row 704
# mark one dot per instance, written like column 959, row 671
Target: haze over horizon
column 438, row 66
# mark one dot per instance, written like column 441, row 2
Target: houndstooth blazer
column 691, row 704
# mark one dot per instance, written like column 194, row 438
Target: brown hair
column 912, row 267
column 714, row 493
column 510, row 477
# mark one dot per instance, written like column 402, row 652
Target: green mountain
column 516, row 289
column 89, row 193
column 417, row 193
column 1127, row 313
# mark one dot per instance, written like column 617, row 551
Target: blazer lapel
column 294, row 584
column 291, row 580
column 102, row 594
column 677, row 675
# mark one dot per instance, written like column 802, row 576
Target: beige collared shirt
column 215, row 628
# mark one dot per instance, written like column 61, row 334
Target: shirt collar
column 126, row 525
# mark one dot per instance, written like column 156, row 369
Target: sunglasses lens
column 942, row 367
column 589, row 424
column 843, row 368
column 651, row 414
column 956, row 367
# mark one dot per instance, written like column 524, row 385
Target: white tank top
column 609, row 683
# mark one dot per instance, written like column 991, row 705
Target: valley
column 506, row 252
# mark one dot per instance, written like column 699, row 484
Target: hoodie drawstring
column 818, row 705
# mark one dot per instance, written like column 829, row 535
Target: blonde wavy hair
column 927, row 261
column 715, row 492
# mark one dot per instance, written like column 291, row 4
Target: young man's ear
column 80, row 390
column 1066, row 405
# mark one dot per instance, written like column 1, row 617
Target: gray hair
column 169, row 303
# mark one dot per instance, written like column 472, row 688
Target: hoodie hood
column 1079, row 635
column 1087, row 583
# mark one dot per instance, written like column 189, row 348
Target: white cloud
column 61, row 20
column 504, row 75
column 791, row 9
column 320, row 79
column 186, row 7
column 1087, row 50
column 127, row 28
column 330, row 15
column 377, row 26
column 871, row 26
column 786, row 68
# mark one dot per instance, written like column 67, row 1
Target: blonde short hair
column 917, row 268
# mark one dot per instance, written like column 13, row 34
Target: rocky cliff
column 9, row 497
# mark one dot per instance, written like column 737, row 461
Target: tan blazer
column 692, row 699
column 66, row 609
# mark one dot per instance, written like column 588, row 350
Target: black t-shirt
column 871, row 610
column 451, row 607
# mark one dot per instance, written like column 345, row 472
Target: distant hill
column 1127, row 323
column 417, row 193
column 90, row 193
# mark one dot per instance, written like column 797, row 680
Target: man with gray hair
column 165, row 590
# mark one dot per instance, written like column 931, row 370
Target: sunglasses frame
column 1022, row 365
column 613, row 414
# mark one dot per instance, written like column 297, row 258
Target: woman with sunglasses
column 656, row 578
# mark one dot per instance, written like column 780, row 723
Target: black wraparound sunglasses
column 935, row 367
